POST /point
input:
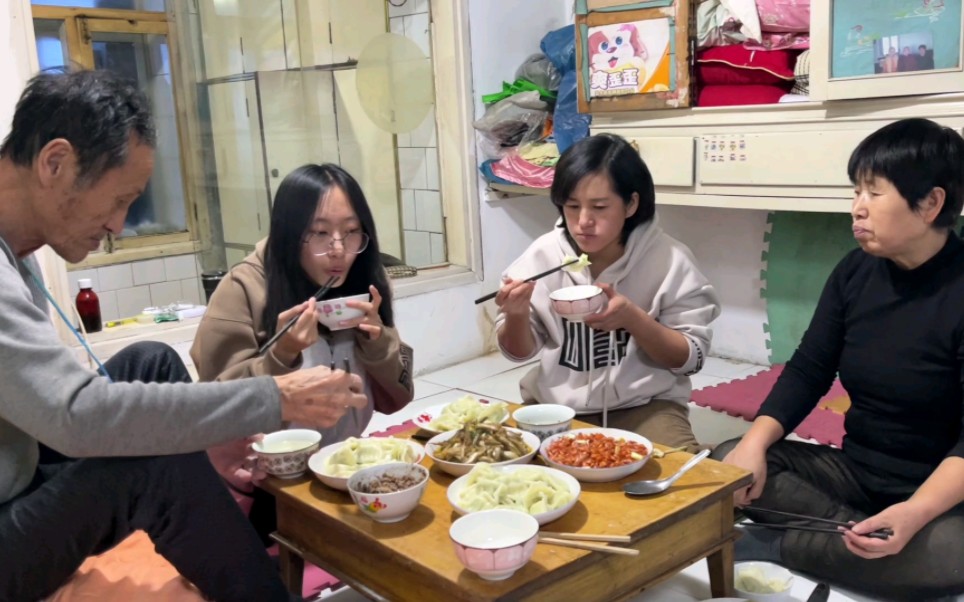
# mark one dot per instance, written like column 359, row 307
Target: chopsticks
column 317, row 297
column 581, row 541
column 878, row 534
column 485, row 298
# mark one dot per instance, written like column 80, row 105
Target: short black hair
column 915, row 155
column 95, row 111
column 614, row 157
column 924, row 46
column 291, row 217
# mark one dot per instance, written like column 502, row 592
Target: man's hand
column 319, row 397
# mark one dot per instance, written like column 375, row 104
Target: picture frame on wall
column 633, row 56
column 880, row 48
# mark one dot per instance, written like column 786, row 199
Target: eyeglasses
column 322, row 244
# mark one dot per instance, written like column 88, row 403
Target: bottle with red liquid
column 88, row 306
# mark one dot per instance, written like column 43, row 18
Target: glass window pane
column 145, row 58
column 151, row 5
column 51, row 43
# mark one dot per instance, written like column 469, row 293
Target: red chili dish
column 595, row 450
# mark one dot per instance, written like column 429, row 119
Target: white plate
column 458, row 468
column 431, row 413
column 316, row 463
column 599, row 475
column 455, row 490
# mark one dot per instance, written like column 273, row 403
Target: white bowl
column 574, row 303
column 544, row 419
column 598, row 475
column 331, row 312
column 393, row 506
column 318, row 461
column 284, row 454
column 770, row 571
column 455, row 491
column 458, row 469
column 494, row 544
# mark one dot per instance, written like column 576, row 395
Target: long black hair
column 614, row 157
column 291, row 215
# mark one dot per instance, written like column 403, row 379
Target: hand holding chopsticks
column 580, row 541
column 317, row 297
column 566, row 264
column 878, row 534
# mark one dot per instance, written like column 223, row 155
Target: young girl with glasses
column 321, row 228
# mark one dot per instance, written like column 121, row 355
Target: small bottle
column 88, row 306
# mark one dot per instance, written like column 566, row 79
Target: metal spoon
column 651, row 487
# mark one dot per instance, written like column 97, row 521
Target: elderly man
column 80, row 151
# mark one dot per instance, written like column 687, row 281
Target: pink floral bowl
column 388, row 493
column 574, row 303
column 332, row 312
column 494, row 544
column 284, row 454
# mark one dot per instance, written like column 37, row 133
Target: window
column 244, row 92
column 136, row 44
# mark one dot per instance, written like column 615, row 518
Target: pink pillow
column 723, row 65
column 784, row 15
column 754, row 94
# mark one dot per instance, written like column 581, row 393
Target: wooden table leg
column 292, row 566
column 721, row 571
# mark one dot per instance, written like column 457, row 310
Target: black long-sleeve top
column 895, row 337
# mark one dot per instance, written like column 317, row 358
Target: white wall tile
column 409, row 221
column 428, row 211
column 411, row 167
column 132, row 301
column 425, row 135
column 148, row 272
column 407, row 7
column 437, row 242
column 418, row 248
column 403, row 140
column 431, row 169
column 73, row 277
column 115, row 277
column 191, row 291
column 421, row 6
column 396, row 25
column 108, row 305
column 165, row 293
column 180, row 267
column 416, row 29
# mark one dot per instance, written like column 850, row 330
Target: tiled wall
column 422, row 222
column 126, row 289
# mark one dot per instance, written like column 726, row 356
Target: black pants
column 819, row 480
column 77, row 508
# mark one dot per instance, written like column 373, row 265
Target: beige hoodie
column 227, row 340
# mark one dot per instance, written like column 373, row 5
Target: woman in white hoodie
column 654, row 331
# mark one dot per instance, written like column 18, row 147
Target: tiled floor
column 495, row 377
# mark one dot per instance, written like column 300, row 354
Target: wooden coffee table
column 414, row 559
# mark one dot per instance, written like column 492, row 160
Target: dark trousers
column 77, row 508
column 819, row 480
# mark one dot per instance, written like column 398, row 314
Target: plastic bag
column 569, row 125
column 559, row 46
column 511, row 121
column 539, row 70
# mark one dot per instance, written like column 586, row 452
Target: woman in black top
column 890, row 320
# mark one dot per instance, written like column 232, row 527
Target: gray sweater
column 47, row 395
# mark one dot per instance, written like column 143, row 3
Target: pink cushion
column 754, row 94
column 724, row 65
column 784, row 15
column 780, row 41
